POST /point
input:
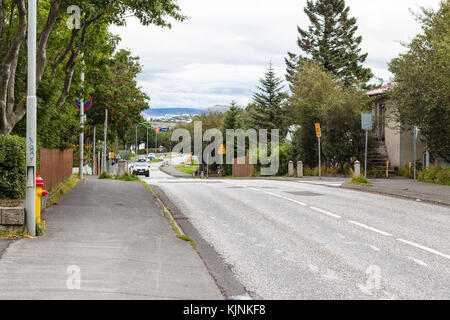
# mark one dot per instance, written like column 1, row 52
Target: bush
column 105, row 175
column 435, row 175
column 361, row 181
column 12, row 167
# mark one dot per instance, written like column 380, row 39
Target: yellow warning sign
column 318, row 133
column 222, row 150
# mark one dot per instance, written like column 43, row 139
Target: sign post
column 366, row 124
column 416, row 133
column 104, row 143
column 319, row 134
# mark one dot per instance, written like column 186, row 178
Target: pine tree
column 266, row 110
column 331, row 41
column 232, row 119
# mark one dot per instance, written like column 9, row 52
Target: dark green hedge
column 12, row 167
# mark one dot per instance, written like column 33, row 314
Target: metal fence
column 242, row 170
column 55, row 166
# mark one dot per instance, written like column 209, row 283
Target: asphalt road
column 314, row 240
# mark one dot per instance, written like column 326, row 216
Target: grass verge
column 361, row 181
column 189, row 170
column 169, row 218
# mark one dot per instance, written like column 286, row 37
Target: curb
column 224, row 278
column 393, row 195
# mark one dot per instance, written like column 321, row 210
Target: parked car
column 142, row 159
column 141, row 169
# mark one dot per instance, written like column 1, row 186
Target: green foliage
column 317, row 97
column 423, row 93
column 105, row 175
column 435, row 175
column 125, row 154
column 12, row 167
column 332, row 42
column 266, row 111
column 361, row 181
column 128, row 177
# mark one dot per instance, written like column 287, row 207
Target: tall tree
column 72, row 43
column 116, row 89
column 423, row 93
column 331, row 41
column 317, row 97
column 266, row 110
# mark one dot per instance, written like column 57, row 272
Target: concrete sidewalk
column 407, row 188
column 116, row 236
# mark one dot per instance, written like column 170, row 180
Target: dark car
column 141, row 169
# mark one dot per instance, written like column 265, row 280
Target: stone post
column 122, row 167
column 291, row 168
column 357, row 169
column 300, row 169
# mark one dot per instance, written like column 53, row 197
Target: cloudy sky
column 221, row 52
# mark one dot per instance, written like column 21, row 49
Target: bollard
column 357, row 169
column 300, row 169
column 291, row 168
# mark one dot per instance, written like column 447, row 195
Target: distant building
column 396, row 143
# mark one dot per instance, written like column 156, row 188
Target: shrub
column 12, row 167
column 105, row 175
column 435, row 175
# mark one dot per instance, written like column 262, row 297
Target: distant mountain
column 174, row 111
column 218, row 109
column 181, row 111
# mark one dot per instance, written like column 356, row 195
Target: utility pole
column 93, row 155
column 104, row 142
column 365, row 156
column 82, row 127
column 31, row 121
column 416, row 133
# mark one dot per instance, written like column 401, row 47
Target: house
column 395, row 143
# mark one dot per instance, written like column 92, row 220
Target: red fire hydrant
column 40, row 192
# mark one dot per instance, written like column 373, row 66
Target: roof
column 382, row 89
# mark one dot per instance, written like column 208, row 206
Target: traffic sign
column 87, row 105
column 222, row 150
column 366, row 121
column 318, row 133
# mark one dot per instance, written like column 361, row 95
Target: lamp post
column 31, row 121
column 142, row 124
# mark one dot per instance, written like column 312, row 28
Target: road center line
column 424, row 248
column 370, row 228
column 327, row 213
column 292, row 200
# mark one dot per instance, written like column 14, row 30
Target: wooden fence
column 242, row 170
column 55, row 166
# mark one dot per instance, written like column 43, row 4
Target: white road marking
column 327, row 213
column 289, row 199
column 251, row 188
column 373, row 247
column 419, row 262
column 370, row 228
column 424, row 248
column 313, row 268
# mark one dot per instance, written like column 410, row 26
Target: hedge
column 12, row 167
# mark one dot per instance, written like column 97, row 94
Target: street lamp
column 31, row 121
column 146, row 146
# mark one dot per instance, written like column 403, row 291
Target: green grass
column 19, row 233
column 105, row 176
column 127, row 177
column 157, row 160
column 189, row 170
column 361, row 181
column 437, row 175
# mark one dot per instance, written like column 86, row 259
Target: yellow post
column 387, row 168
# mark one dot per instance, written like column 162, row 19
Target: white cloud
column 221, row 52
